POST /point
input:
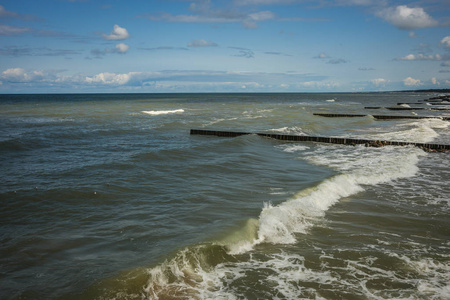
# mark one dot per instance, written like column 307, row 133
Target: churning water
column 108, row 197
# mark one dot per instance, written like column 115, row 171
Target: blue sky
column 57, row 46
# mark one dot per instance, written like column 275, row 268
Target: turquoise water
column 108, row 197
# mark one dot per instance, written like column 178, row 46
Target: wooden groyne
column 339, row 115
column 321, row 139
column 409, row 108
column 381, row 117
column 395, row 108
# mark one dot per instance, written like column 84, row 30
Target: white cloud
column 108, row 79
column 122, row 48
column 421, row 57
column 19, row 75
column 446, row 42
column 409, row 81
column 379, row 81
column 435, row 81
column 176, row 80
column 202, row 43
column 118, row 33
column 251, row 20
column 261, row 16
column 14, row 73
column 404, row 17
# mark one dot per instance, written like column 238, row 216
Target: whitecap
column 162, row 112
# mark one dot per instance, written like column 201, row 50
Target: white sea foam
column 421, row 131
column 163, row 112
column 289, row 130
column 358, row 166
column 294, row 148
column 218, row 120
column 361, row 166
column 437, row 274
column 281, row 224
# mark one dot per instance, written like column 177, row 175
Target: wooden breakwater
column 409, row 108
column 381, row 117
column 321, row 139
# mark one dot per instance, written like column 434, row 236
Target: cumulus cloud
column 118, row 33
column 409, row 81
column 406, row 18
column 446, row 42
column 108, row 79
column 122, row 48
column 20, row 75
column 379, row 81
column 202, row 43
column 13, row 74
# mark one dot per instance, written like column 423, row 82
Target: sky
column 156, row 46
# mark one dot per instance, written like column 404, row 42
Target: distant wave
column 162, row 112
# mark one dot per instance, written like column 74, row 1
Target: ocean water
column 108, row 196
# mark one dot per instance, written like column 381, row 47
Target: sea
column 109, row 196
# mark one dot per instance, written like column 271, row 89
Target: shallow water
column 109, row 197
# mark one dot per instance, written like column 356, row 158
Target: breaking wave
column 163, row 112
